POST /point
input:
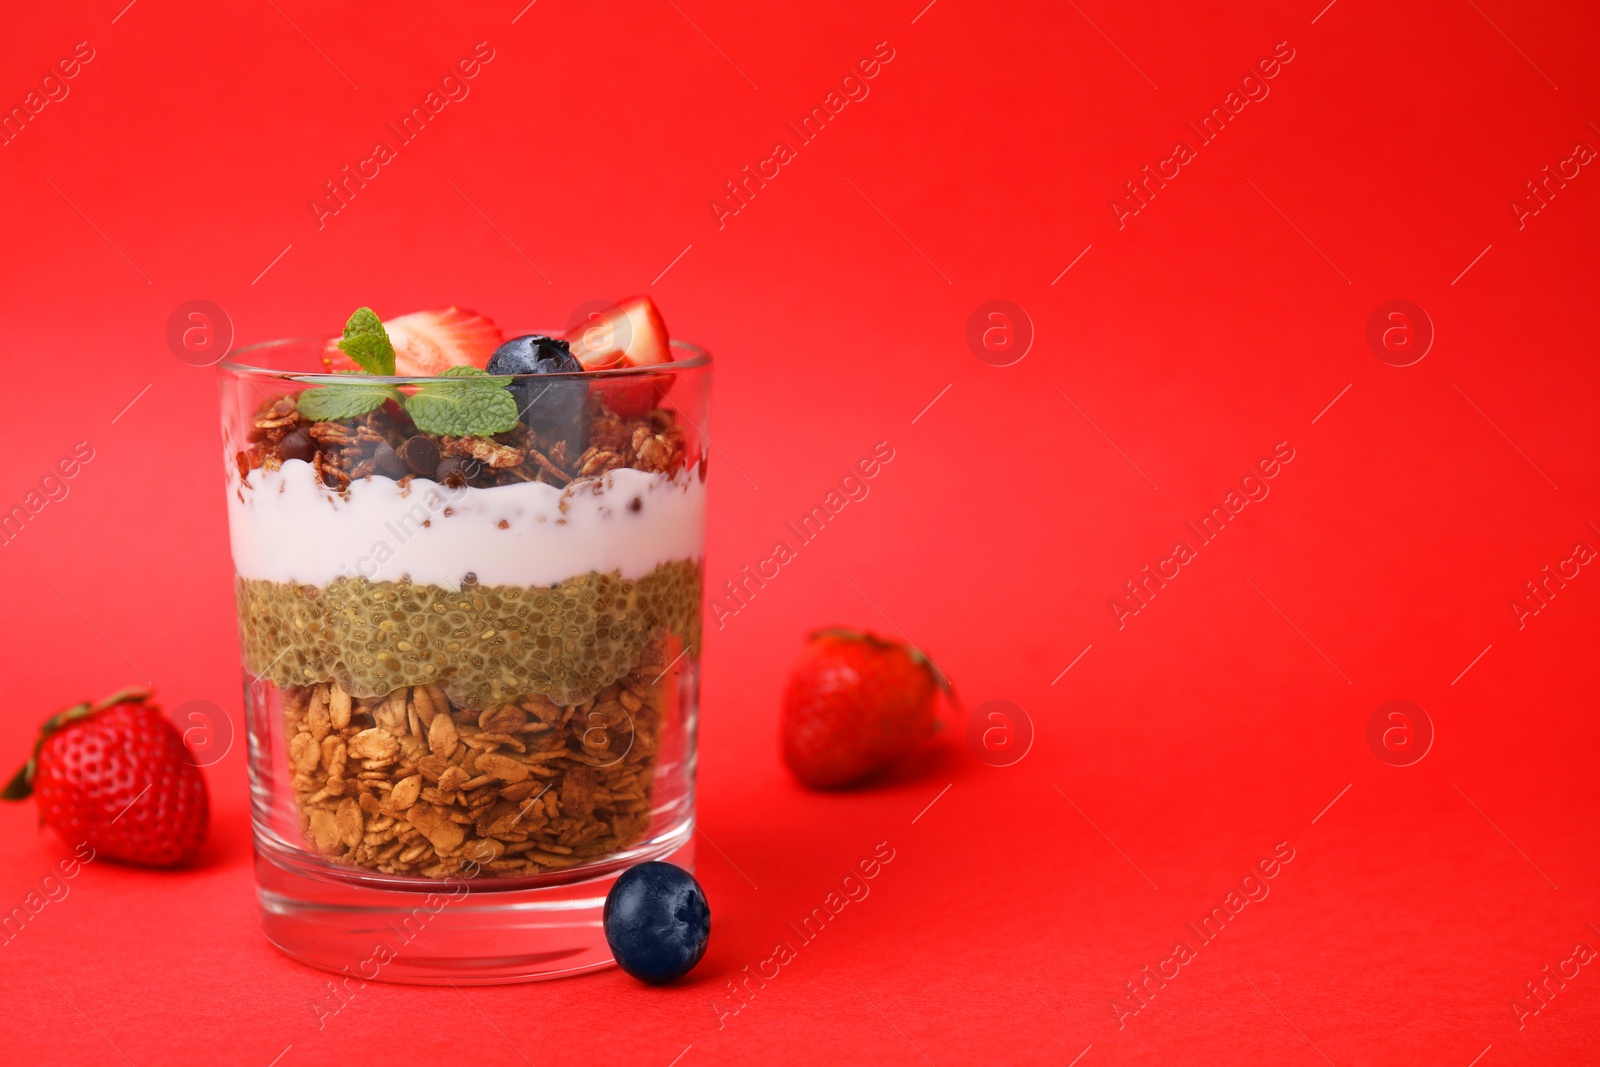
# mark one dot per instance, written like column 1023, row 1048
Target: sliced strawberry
column 633, row 398
column 427, row 343
column 631, row 334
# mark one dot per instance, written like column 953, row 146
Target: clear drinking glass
column 471, row 670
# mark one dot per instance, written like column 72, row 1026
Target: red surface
column 1218, row 322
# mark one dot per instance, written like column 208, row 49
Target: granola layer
column 483, row 645
column 412, row 784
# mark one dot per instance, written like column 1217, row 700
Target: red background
column 1220, row 320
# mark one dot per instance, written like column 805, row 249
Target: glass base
column 452, row 932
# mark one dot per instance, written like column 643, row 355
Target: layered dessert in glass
column 469, row 594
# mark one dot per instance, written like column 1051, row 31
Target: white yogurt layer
column 287, row 527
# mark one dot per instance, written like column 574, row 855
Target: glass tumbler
column 471, row 665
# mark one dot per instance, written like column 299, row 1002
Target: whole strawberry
column 117, row 776
column 856, row 703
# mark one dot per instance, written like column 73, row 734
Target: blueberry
column 657, row 922
column 531, row 354
column 545, row 406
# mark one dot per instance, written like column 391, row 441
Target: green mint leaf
column 463, row 402
column 367, row 343
column 344, row 400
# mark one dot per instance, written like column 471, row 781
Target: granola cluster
column 411, row 784
column 386, row 442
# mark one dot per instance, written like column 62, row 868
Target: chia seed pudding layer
column 483, row 645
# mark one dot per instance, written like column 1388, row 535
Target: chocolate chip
column 296, row 444
column 635, row 504
column 386, row 461
column 421, row 455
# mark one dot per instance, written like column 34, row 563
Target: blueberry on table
column 544, row 406
column 657, row 922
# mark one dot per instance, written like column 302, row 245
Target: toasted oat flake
column 442, row 736
column 374, row 744
column 304, row 752
column 349, row 822
column 405, row 792
column 503, row 767
column 338, row 707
